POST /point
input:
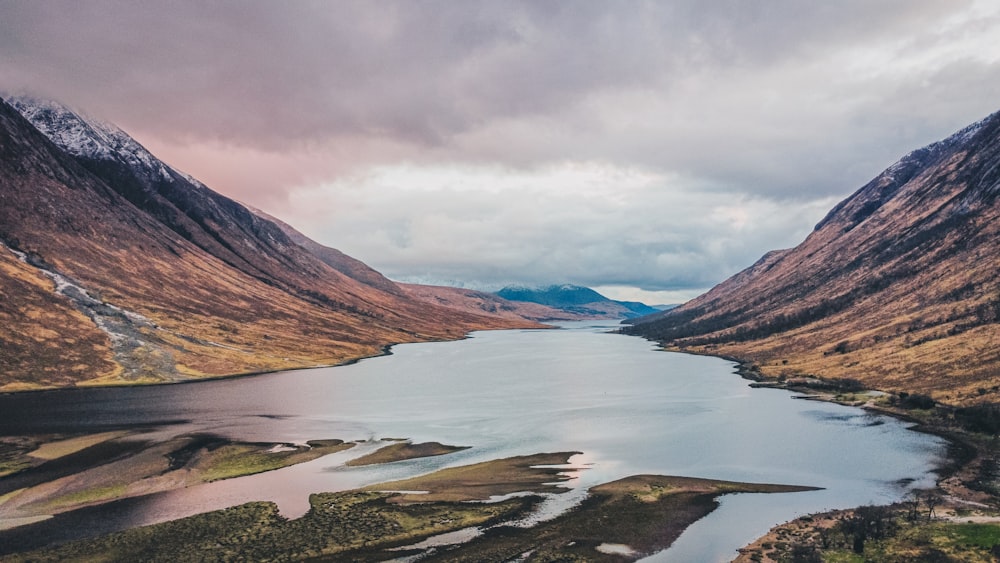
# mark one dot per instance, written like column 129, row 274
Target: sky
column 646, row 149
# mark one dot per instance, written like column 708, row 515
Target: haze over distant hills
column 897, row 287
column 116, row 268
column 578, row 300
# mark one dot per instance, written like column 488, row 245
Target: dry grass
column 60, row 448
column 480, row 481
column 141, row 470
column 403, row 451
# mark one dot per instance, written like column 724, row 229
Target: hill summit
column 576, row 299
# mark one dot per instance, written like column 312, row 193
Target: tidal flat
column 403, row 450
column 50, row 475
column 619, row 521
column 630, row 409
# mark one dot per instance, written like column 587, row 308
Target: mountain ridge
column 142, row 274
column 576, row 299
column 474, row 301
column 896, row 287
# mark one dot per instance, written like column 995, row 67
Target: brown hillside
column 347, row 265
column 897, row 287
column 127, row 277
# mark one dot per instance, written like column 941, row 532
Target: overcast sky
column 648, row 149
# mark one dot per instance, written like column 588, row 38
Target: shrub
column 980, row 418
column 915, row 401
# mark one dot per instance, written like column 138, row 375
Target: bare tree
column 931, row 501
column 867, row 522
column 912, row 504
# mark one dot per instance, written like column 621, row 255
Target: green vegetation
column 640, row 515
column 14, row 455
column 355, row 526
column 935, row 542
column 84, row 475
column 973, row 535
column 896, row 534
column 239, row 459
column 85, row 496
column 10, row 466
column 637, row 515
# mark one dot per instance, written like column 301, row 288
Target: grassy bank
column 54, row 474
column 624, row 520
column 619, row 521
column 957, row 520
column 354, row 525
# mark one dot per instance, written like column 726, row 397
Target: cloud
column 661, row 145
column 651, row 231
column 266, row 74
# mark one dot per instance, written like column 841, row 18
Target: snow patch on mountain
column 923, row 155
column 87, row 137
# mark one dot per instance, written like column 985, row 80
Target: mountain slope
column 118, row 269
column 897, row 286
column 350, row 267
column 577, row 300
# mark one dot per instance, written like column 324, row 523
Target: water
column 628, row 408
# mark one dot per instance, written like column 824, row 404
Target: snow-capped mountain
column 116, row 268
column 87, row 137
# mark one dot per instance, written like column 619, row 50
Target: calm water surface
column 629, row 408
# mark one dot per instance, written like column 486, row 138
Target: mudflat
column 404, row 450
column 619, row 521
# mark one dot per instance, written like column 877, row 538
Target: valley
column 184, row 369
column 159, row 279
column 554, row 432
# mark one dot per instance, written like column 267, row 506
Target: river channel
column 629, row 408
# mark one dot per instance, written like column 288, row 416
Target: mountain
column 473, row 301
column 115, row 268
column 467, row 300
column 350, row 267
column 897, row 286
column 576, row 299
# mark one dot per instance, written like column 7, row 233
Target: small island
column 621, row 520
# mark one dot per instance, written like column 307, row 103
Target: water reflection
column 631, row 409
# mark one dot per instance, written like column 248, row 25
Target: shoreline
column 84, row 385
column 386, row 350
column 745, row 370
column 816, row 388
column 639, row 515
column 958, row 473
column 827, row 392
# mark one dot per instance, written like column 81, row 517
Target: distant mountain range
column 474, row 301
column 115, row 268
column 897, row 287
column 578, row 300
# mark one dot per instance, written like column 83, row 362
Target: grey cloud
column 264, row 73
column 741, row 101
column 659, row 237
